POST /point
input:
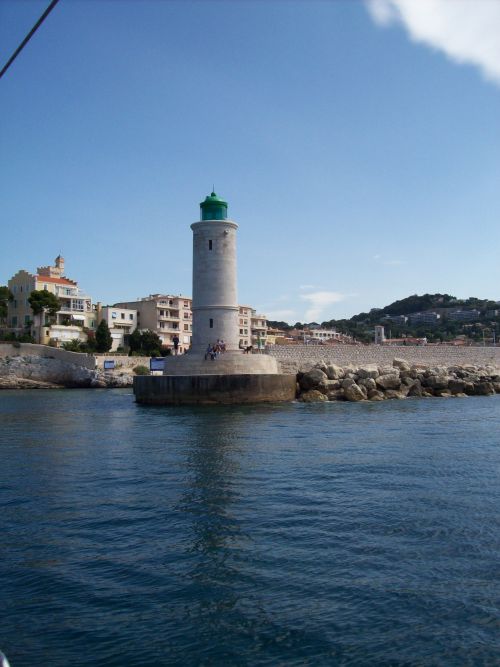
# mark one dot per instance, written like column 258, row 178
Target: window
column 162, row 313
column 130, row 317
column 186, row 316
column 27, row 319
column 20, row 288
column 210, row 245
column 123, row 316
column 211, row 323
column 15, row 303
column 14, row 321
column 45, row 287
column 170, row 302
column 186, row 304
column 162, row 325
column 186, row 327
column 241, row 332
column 113, row 315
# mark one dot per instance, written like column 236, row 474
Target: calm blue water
column 337, row 534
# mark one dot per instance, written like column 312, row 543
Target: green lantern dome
column 213, row 208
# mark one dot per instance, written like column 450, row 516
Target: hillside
column 473, row 318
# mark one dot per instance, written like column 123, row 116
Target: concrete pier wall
column 213, row 389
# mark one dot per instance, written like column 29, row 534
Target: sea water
column 318, row 534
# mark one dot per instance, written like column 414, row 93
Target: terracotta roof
column 52, row 279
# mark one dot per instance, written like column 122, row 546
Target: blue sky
column 358, row 145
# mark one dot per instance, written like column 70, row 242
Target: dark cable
column 28, row 36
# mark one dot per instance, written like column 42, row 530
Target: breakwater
column 300, row 358
column 329, row 382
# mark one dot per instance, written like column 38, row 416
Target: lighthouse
column 231, row 377
column 215, row 293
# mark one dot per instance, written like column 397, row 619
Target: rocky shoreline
column 323, row 382
column 328, row 382
column 35, row 372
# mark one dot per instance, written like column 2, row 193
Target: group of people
column 213, row 351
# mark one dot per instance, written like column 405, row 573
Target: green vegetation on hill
column 483, row 327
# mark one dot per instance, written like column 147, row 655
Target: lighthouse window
column 210, row 245
column 211, row 323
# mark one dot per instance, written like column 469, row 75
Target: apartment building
column 424, row 318
column 165, row 314
column 259, row 330
column 121, row 322
column 252, row 328
column 169, row 316
column 75, row 315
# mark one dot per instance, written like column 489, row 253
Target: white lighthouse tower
column 215, row 299
column 231, row 377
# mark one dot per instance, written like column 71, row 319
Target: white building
column 121, row 322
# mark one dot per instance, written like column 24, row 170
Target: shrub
column 141, row 370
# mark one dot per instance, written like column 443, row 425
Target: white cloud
column 319, row 301
column 388, row 262
column 467, row 31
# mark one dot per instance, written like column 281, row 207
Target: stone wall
column 121, row 362
column 32, row 350
column 295, row 358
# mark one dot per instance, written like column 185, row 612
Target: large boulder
column 415, row 389
column 336, row 395
column 392, row 393
column 368, row 383
column 457, row 386
column 313, row 396
column 389, row 381
column 439, row 381
column 354, row 392
column 312, row 379
column 483, row 389
column 402, row 364
column 367, row 372
column 376, row 395
column 334, row 372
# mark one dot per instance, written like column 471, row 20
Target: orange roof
column 51, row 279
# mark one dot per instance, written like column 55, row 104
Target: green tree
column 145, row 343
column 5, row 296
column 103, row 338
column 42, row 302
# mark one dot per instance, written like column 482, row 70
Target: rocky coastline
column 35, row 372
column 329, row 382
column 325, row 381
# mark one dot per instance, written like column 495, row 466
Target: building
column 424, row 318
column 379, row 335
column 464, row 315
column 252, row 328
column 75, row 316
column 259, row 330
column 318, row 335
column 170, row 316
column 165, row 314
column 121, row 322
column 396, row 319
